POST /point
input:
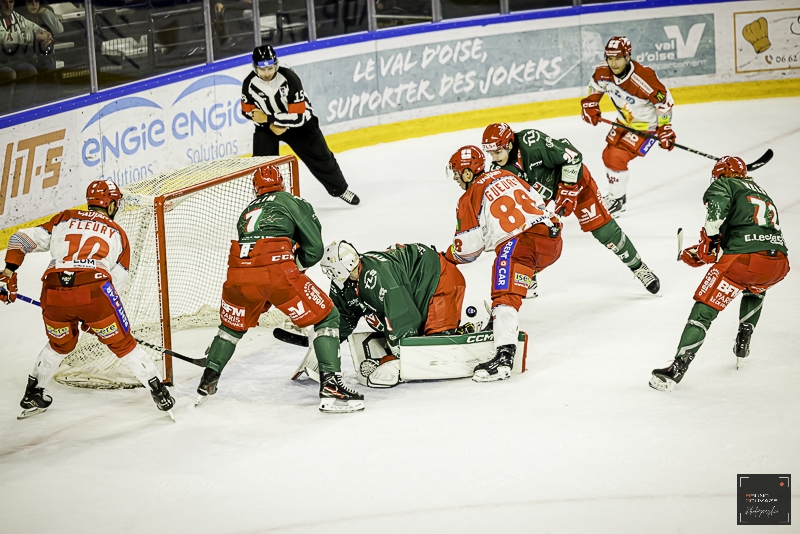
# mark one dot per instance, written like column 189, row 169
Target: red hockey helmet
column 101, row 193
column 729, row 167
column 497, row 135
column 618, row 46
column 468, row 157
column 267, row 180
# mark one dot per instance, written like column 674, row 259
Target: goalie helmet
column 267, row 180
column 729, row 167
column 338, row 261
column 618, row 46
column 101, row 193
column 468, row 157
column 496, row 136
column 264, row 56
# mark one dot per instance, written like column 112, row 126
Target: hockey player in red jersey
column 279, row 237
column 81, row 288
column 643, row 103
column 500, row 212
column 742, row 222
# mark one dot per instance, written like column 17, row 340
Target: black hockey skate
column 161, row 396
column 498, row 368
column 648, row 278
column 665, row 379
column 742, row 346
column 208, row 385
column 615, row 206
column 336, row 397
column 350, row 197
column 35, row 400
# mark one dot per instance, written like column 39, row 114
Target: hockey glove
column 666, row 136
column 8, row 286
column 567, row 198
column 704, row 252
column 590, row 111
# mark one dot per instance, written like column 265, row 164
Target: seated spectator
column 42, row 15
column 18, row 35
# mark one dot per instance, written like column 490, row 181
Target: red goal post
column 179, row 225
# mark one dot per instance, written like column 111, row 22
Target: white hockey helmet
column 338, row 261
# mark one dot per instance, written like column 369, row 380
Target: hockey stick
column 760, row 162
column 288, row 337
column 680, row 243
column 200, row 362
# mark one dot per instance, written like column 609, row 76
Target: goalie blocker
column 421, row 358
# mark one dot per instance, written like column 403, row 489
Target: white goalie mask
column 338, row 261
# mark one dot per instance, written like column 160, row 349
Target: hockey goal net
column 179, row 225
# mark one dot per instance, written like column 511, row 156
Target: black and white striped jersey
column 282, row 98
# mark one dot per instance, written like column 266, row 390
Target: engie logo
column 22, row 163
column 125, row 134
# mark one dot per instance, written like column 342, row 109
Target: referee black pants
column 309, row 144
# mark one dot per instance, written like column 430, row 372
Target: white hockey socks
column 506, row 325
column 141, row 365
column 46, row 365
column 617, row 182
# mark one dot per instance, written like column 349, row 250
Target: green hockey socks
column 221, row 349
column 614, row 239
column 694, row 333
column 326, row 343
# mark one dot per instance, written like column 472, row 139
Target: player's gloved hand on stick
column 704, row 252
column 666, row 136
column 567, row 198
column 260, row 117
column 8, row 283
column 590, row 111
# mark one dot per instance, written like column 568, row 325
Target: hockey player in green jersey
column 742, row 221
column 279, row 238
column 408, row 290
column 555, row 169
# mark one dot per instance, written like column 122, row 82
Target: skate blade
column 171, row 416
column 338, row 406
column 200, row 400
column 661, row 384
column 739, row 362
column 503, row 373
column 24, row 414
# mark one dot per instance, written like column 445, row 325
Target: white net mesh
column 199, row 227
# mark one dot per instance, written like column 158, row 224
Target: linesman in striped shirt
column 274, row 99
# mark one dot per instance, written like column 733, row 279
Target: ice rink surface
column 577, row 444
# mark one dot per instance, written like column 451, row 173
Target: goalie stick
column 200, row 362
column 757, row 164
column 680, row 243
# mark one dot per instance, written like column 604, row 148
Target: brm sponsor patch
column 502, row 266
column 57, row 333
column 724, row 294
column 116, row 302
column 230, row 314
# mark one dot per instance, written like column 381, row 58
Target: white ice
column 579, row 443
